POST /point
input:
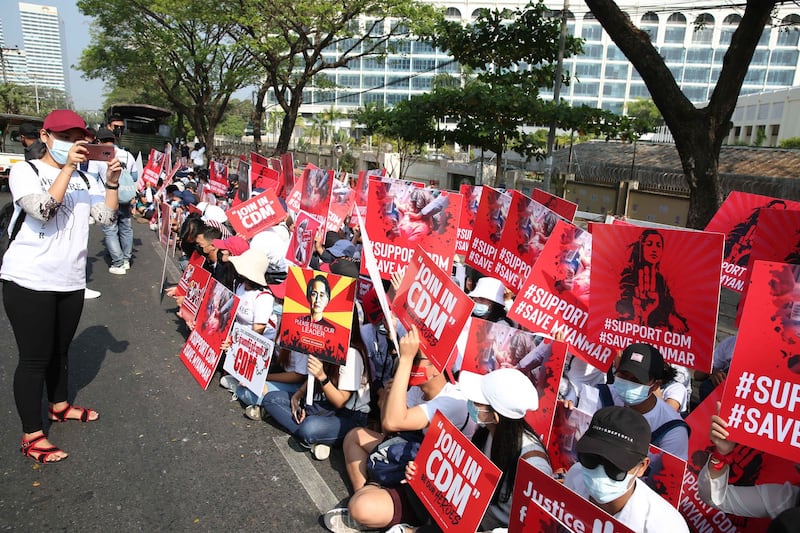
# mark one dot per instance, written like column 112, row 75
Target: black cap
column 105, row 134
column 29, row 130
column 618, row 434
column 642, row 361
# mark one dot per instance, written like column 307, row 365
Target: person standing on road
column 29, row 137
column 44, row 272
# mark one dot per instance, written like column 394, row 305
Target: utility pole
column 551, row 134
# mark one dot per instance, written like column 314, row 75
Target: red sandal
column 29, row 447
column 61, row 416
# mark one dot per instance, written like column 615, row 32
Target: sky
column 86, row 94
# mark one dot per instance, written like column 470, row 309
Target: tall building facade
column 691, row 36
column 44, row 46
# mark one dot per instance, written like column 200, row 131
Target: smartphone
column 100, row 152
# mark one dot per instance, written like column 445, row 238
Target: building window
column 616, row 72
column 593, row 51
column 349, row 80
column 422, row 83
column 696, row 94
column 423, row 65
column 373, row 63
column 729, row 25
column 591, row 30
column 400, row 46
column 398, row 64
column 586, row 89
column 423, row 48
column 783, row 58
column 703, row 29
column 755, row 76
column 676, row 29
column 649, row 25
column 477, row 12
column 699, row 55
column 587, row 70
column 673, row 54
column 452, row 13
column 614, row 107
column 695, row 75
column 764, row 40
column 639, row 90
column 789, row 31
column 614, row 90
column 613, row 53
column 394, row 98
column 397, row 82
column 780, row 78
column 373, row 81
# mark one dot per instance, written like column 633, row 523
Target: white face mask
column 60, row 150
column 601, row 487
column 480, row 310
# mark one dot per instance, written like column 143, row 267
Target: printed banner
column 762, row 392
column 248, row 358
column 317, row 189
column 301, row 245
column 318, row 314
column 540, row 503
column 491, row 346
column 749, row 467
column 469, row 210
column 429, row 299
column 243, row 189
column 665, row 475
column 343, row 199
column 287, row 172
column 657, row 286
column 202, row 351
column 555, row 297
column 196, row 261
column 487, row 230
column 153, row 168
column 217, row 178
column 454, row 480
column 402, row 215
column 165, row 222
column 195, row 291
column 737, row 218
column 256, row 214
column 560, row 206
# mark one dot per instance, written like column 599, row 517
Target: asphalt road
column 165, row 455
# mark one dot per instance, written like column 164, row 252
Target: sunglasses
column 591, row 461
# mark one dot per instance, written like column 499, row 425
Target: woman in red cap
column 44, row 271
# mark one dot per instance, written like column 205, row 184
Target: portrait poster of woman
column 490, row 221
column 469, row 209
column 317, row 314
column 659, row 286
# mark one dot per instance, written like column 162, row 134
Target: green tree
column 236, row 117
column 645, row 111
column 698, row 132
column 792, row 143
column 183, row 47
column 288, row 41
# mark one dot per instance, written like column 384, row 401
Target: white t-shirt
column 255, row 307
column 353, row 378
column 450, row 401
column 298, row 362
column 644, row 512
column 50, row 256
column 500, row 511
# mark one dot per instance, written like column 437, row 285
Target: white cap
column 491, row 289
column 215, row 213
column 506, row 390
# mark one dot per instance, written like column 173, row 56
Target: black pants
column 44, row 323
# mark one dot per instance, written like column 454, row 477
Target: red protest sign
column 492, row 345
column 196, row 261
column 318, row 314
column 469, row 209
column 402, row 215
column 165, row 219
column 195, row 291
column 454, row 480
column 665, row 475
column 256, row 214
column 287, row 172
column 555, row 297
column 748, row 467
column 540, row 503
column 560, row 206
column 301, row 245
column 342, row 200
column 263, row 177
column 487, row 230
column 217, row 178
column 656, row 286
column 153, row 168
column 737, row 218
column 317, row 188
column 762, row 392
column 429, row 299
column 568, row 426
column 201, row 352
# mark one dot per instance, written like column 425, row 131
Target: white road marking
column 315, row 486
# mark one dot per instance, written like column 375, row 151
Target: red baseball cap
column 235, row 245
column 63, row 120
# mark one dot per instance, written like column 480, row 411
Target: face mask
column 472, row 409
column 480, row 310
column 601, row 487
column 118, row 130
column 630, row 392
column 176, row 203
column 60, row 151
column 419, row 375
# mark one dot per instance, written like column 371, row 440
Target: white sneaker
column 339, row 521
column 320, row 451
column 399, row 528
column 228, row 382
column 126, row 265
column 120, row 271
column 154, row 227
column 89, row 294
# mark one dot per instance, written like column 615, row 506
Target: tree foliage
column 293, row 43
column 182, row 47
column 698, row 132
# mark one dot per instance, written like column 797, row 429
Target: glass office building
column 42, row 35
column 692, row 37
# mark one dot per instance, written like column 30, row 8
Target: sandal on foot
column 61, row 416
column 29, row 447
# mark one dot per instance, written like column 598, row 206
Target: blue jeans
column 248, row 397
column 119, row 237
column 323, row 424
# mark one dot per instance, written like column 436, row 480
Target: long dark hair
column 506, row 447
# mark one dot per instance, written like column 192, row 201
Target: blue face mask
column 60, row 151
column 601, row 487
column 473, row 411
column 480, row 310
column 630, row 392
